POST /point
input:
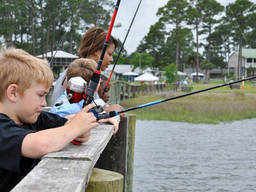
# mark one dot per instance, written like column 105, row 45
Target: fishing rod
column 115, row 113
column 96, row 74
column 121, row 49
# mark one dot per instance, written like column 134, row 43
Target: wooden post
column 113, row 156
column 130, row 153
column 118, row 156
column 115, row 92
column 105, row 181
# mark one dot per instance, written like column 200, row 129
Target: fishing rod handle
column 106, row 115
column 92, row 87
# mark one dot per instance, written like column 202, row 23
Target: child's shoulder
column 9, row 129
column 5, row 118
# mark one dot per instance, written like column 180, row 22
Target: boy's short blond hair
column 81, row 67
column 21, row 68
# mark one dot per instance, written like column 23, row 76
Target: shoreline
column 211, row 107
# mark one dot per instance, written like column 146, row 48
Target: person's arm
column 82, row 138
column 38, row 144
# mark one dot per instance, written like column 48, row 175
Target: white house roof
column 131, row 74
column 58, row 54
column 199, row 74
column 181, row 73
column 120, row 69
column 146, row 77
column 249, row 53
column 246, row 53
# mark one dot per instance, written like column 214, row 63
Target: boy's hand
column 84, row 138
column 85, row 119
column 112, row 121
column 69, row 118
column 115, row 107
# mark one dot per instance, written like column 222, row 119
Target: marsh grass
column 209, row 107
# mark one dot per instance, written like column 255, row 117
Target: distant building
column 195, row 75
column 214, row 73
column 58, row 60
column 121, row 71
column 248, row 60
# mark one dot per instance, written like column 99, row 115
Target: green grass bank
column 219, row 105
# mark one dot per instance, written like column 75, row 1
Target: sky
column 146, row 17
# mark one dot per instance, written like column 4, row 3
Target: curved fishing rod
column 96, row 74
column 115, row 113
column 121, row 49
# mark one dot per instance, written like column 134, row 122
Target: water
column 182, row 157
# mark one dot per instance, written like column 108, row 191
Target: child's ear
column 12, row 92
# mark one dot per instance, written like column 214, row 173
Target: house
column 248, row 60
column 129, row 76
column 121, row 71
column 58, row 60
column 194, row 75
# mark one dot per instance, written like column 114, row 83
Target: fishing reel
column 76, row 89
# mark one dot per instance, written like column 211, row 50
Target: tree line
column 39, row 26
column 185, row 27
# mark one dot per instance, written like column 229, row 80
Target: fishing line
column 121, row 49
column 96, row 74
column 115, row 113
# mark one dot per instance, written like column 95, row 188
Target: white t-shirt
column 58, row 88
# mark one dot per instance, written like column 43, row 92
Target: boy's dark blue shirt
column 13, row 167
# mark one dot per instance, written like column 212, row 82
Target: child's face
column 31, row 104
column 104, row 91
column 106, row 95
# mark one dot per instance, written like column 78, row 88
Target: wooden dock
column 121, row 90
column 70, row 169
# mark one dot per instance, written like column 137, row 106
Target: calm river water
column 182, row 157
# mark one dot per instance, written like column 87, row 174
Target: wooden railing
column 70, row 169
column 120, row 90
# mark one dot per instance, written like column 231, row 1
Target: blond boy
column 26, row 132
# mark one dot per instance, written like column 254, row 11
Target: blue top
column 66, row 108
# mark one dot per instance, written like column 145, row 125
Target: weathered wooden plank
column 98, row 141
column 58, row 175
column 69, row 169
